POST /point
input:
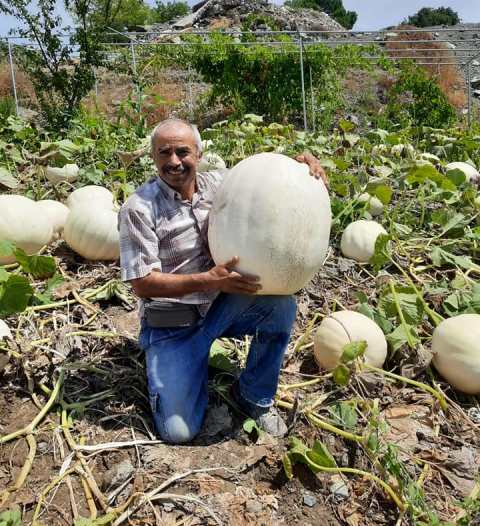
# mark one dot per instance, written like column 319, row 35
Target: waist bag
column 160, row 314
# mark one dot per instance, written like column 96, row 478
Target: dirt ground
column 225, row 476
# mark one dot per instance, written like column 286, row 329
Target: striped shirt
column 161, row 231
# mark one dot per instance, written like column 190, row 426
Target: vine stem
column 410, row 341
column 434, row 392
column 28, row 430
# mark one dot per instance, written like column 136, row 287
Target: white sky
column 372, row 14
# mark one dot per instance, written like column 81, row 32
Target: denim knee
column 175, row 429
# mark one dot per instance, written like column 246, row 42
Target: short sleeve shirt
column 161, row 231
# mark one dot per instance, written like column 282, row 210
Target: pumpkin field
column 384, row 418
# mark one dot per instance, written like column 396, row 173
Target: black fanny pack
column 160, row 314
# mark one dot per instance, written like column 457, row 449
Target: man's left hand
column 314, row 164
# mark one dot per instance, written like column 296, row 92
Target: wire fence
column 436, row 51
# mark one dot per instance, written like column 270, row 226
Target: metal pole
column 12, row 72
column 312, row 100
column 303, row 86
column 134, row 61
column 190, row 93
column 469, row 90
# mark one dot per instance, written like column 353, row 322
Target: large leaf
column 37, row 266
column 344, row 414
column 407, row 300
column 7, row 248
column 402, row 335
column 220, row 358
column 315, row 458
column 15, row 294
column 46, row 296
column 440, row 257
column 381, row 255
column 7, row 179
column 11, row 518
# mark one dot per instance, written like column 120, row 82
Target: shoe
column 267, row 418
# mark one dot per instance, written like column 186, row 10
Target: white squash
column 4, row 331
column 375, row 206
column 68, row 172
column 91, row 194
column 92, row 232
column 358, row 239
column 22, row 224
column 471, row 173
column 403, row 150
column 272, row 214
column 210, row 161
column 456, row 352
column 343, row 327
column 57, row 212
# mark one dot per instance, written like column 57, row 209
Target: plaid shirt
column 160, row 231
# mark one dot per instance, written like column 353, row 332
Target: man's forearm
column 160, row 285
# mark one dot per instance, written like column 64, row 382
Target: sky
column 372, row 14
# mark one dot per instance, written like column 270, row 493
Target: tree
column 166, row 12
column 119, row 14
column 60, row 67
column 428, row 16
column 334, row 8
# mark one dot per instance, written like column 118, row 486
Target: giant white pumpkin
column 456, row 352
column 275, row 217
column 68, row 173
column 22, row 224
column 91, row 194
column 347, row 326
column 93, row 233
column 57, row 212
column 358, row 239
column 470, row 172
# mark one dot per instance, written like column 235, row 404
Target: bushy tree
column 334, row 8
column 166, row 12
column 119, row 14
column 429, row 16
column 61, row 68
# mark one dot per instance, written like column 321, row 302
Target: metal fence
column 433, row 49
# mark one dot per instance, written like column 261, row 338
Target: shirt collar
column 168, row 190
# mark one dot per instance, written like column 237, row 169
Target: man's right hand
column 224, row 278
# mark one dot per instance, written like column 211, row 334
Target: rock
column 474, row 414
column 185, row 22
column 253, row 506
column 118, row 474
column 338, row 488
column 309, row 500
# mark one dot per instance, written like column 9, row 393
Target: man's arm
column 220, row 278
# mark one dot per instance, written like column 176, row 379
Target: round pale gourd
column 68, row 172
column 358, row 239
column 275, row 217
column 456, row 352
column 343, row 327
column 471, row 173
column 93, row 233
column 403, row 150
column 57, row 212
column 4, row 331
column 375, row 206
column 22, row 224
column 211, row 161
column 91, row 194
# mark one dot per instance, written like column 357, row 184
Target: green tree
column 119, row 14
column 61, row 68
column 334, row 8
column 428, row 16
column 166, row 12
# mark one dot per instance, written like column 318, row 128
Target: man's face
column 176, row 155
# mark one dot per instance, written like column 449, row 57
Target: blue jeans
column 177, row 359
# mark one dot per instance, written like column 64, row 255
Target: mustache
column 175, row 169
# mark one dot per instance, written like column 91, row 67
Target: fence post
column 312, row 100
column 134, row 60
column 469, row 91
column 303, row 85
column 12, row 72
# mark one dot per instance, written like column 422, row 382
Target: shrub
column 429, row 16
column 165, row 12
column 334, row 8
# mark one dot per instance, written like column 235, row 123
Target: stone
column 253, row 506
column 338, row 488
column 309, row 500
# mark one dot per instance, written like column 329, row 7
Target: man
column 187, row 301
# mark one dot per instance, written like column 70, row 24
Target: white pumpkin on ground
column 358, row 239
column 57, row 212
column 347, row 326
column 93, row 234
column 375, row 206
column 4, row 331
column 470, row 172
column 22, row 224
column 211, row 161
column 102, row 197
column 68, row 172
column 275, row 217
column 456, row 352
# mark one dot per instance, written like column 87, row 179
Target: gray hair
column 175, row 121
